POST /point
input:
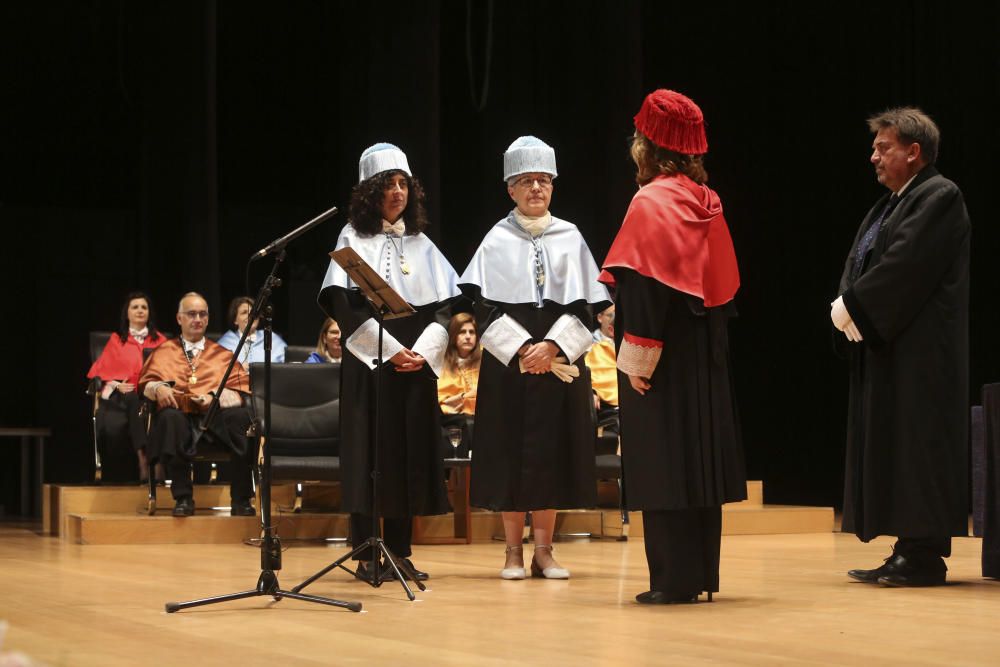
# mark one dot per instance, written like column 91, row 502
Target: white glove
column 560, row 367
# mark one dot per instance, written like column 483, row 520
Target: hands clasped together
column 407, row 361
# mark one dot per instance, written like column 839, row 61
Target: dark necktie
column 868, row 240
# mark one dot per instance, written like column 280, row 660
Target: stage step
column 116, row 515
column 59, row 501
column 737, row 519
column 203, row 528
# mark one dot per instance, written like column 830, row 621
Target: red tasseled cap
column 672, row 121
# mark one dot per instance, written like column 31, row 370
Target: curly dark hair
column 123, row 320
column 653, row 160
column 366, row 201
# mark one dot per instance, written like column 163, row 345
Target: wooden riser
column 116, row 515
column 61, row 501
column 219, row 528
column 740, row 519
column 208, row 528
column 737, row 519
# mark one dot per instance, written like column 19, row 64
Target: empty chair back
column 305, row 408
column 298, row 353
column 98, row 339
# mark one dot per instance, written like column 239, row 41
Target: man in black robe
column 903, row 311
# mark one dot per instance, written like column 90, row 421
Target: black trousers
column 682, row 549
column 171, row 435
column 120, row 434
column 923, row 548
column 397, row 534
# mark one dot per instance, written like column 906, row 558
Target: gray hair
column 912, row 126
column 180, row 304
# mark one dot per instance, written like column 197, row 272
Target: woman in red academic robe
column 674, row 272
column 121, row 435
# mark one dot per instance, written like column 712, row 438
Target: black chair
column 98, row 340
column 609, row 467
column 305, row 422
column 298, row 353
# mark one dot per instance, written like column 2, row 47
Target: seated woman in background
column 253, row 350
column 121, row 434
column 459, row 380
column 328, row 350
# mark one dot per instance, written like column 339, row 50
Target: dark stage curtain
column 157, row 145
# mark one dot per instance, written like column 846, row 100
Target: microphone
column 279, row 244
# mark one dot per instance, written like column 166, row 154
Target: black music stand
column 387, row 305
column 270, row 546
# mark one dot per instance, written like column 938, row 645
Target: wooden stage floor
column 784, row 600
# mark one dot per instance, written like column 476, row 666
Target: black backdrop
column 155, row 145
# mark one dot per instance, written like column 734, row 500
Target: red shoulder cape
column 675, row 233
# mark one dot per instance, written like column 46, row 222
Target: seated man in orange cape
column 181, row 376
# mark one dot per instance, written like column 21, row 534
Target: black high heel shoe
column 659, row 597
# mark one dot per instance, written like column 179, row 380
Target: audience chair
column 296, row 354
column 98, row 339
column 305, row 422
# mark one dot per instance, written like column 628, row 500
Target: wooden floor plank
column 784, row 600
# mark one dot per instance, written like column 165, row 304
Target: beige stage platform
column 784, row 601
column 116, row 515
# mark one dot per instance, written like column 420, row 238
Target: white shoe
column 513, row 572
column 551, row 572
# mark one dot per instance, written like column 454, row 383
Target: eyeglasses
column 195, row 314
column 529, row 181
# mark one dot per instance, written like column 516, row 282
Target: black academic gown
column 681, row 444
column 535, row 434
column 412, row 471
column 908, row 412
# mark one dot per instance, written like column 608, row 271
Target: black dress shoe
column 926, row 571
column 403, row 563
column 871, row 576
column 900, row 570
column 659, row 597
column 420, row 576
column 362, row 571
column 184, row 506
column 242, row 508
column 917, row 579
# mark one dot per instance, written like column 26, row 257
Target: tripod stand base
column 374, row 579
column 267, row 584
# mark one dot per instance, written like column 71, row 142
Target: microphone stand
column 270, row 545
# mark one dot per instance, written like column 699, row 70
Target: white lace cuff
column 571, row 336
column 504, row 338
column 638, row 356
column 363, row 344
column 432, row 345
column 151, row 387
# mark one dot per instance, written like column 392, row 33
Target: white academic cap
column 381, row 157
column 529, row 155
